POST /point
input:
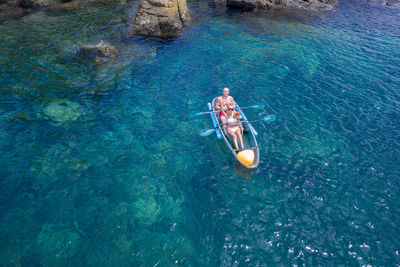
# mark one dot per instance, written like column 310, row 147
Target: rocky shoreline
column 158, row 18
column 161, row 18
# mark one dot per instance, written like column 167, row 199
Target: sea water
column 103, row 166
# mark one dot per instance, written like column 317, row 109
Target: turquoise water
column 102, row 166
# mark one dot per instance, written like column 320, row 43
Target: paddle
column 256, row 106
column 207, row 132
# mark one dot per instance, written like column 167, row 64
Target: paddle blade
column 206, row 132
column 194, row 115
column 258, row 106
column 269, row 118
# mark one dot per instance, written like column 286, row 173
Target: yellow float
column 246, row 156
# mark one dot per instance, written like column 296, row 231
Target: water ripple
column 101, row 165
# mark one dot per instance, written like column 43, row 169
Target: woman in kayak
column 234, row 127
column 224, row 103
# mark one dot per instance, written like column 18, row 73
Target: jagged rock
column 268, row 4
column 159, row 18
column 392, row 3
column 98, row 52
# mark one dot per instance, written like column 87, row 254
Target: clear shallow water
column 102, row 166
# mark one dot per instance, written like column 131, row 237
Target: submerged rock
column 65, row 7
column 282, row 72
column 99, row 52
column 56, row 245
column 8, row 12
column 154, row 203
column 62, row 110
column 59, row 160
column 159, row 18
column 147, row 211
column 312, row 62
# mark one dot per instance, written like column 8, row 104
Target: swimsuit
column 232, row 128
column 222, row 104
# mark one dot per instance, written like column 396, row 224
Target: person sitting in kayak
column 224, row 103
column 234, row 127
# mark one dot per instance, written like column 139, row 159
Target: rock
column 268, row 4
column 65, row 7
column 37, row 3
column 218, row 3
column 159, row 18
column 9, row 2
column 56, row 245
column 311, row 4
column 282, row 72
column 11, row 12
column 98, row 52
column 251, row 4
column 62, row 110
column 392, row 3
column 147, row 211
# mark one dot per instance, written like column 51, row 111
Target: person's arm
column 233, row 102
column 239, row 118
column 218, row 104
column 220, row 107
column 224, row 113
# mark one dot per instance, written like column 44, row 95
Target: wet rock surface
column 159, row 18
column 98, row 53
column 268, row 4
column 251, row 4
column 37, row 3
column 65, row 7
column 392, row 3
column 313, row 5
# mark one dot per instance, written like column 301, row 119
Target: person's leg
column 235, row 142
column 223, row 120
column 234, row 138
column 239, row 134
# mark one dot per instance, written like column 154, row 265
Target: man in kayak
column 224, row 104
